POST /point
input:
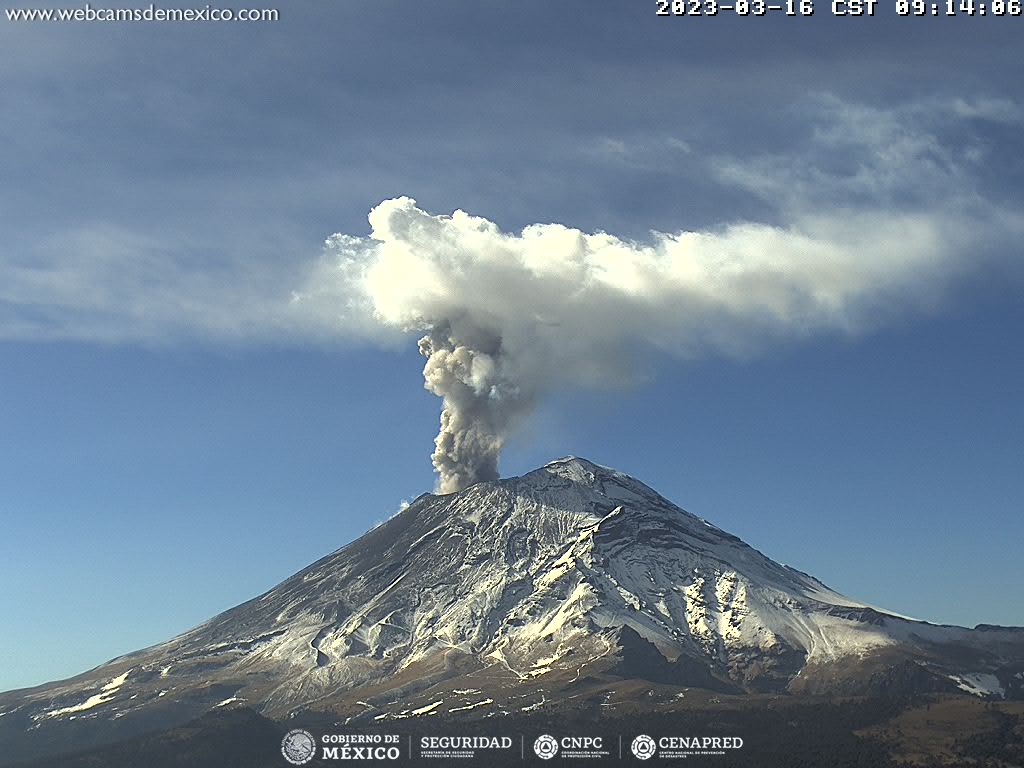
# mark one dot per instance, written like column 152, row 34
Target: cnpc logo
column 547, row 746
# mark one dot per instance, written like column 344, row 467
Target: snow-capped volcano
column 503, row 596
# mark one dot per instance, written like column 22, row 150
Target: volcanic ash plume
column 479, row 406
column 509, row 317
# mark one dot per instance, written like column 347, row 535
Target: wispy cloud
column 866, row 203
column 991, row 109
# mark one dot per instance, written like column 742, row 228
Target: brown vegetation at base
column 949, row 730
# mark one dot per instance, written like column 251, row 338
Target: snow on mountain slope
column 570, row 570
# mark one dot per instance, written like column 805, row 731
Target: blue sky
column 169, row 446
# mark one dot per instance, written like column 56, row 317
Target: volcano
column 513, row 595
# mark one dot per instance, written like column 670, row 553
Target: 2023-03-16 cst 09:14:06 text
column 680, row 8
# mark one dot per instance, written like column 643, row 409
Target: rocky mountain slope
column 503, row 598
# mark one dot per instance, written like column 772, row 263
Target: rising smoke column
column 481, row 403
column 505, row 318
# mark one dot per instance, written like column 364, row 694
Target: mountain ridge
column 512, row 594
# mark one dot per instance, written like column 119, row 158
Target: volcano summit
column 515, row 594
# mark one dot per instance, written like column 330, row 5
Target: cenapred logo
column 644, row 747
column 545, row 746
column 298, row 746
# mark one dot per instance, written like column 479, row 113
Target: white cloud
column 510, row 316
column 874, row 214
column 993, row 109
column 871, row 214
